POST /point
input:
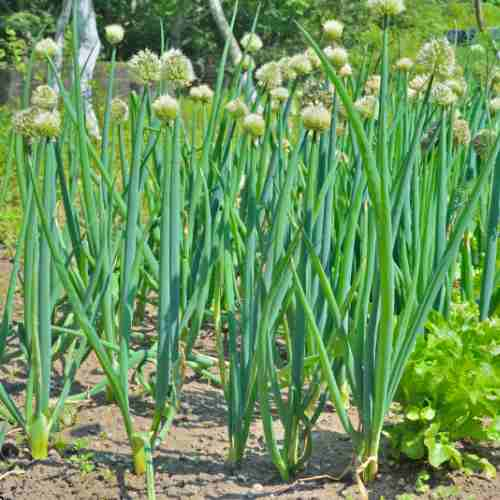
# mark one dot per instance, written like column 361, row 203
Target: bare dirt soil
column 191, row 462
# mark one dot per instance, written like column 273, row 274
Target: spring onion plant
column 416, row 245
column 103, row 222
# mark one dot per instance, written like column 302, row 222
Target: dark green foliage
column 189, row 25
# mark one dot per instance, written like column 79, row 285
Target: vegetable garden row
column 311, row 214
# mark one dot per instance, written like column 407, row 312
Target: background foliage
column 189, row 25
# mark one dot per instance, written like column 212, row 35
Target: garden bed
column 94, row 461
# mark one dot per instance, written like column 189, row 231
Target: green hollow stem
column 45, row 286
column 39, row 437
column 139, row 456
column 384, row 237
column 170, row 279
column 129, row 282
column 490, row 260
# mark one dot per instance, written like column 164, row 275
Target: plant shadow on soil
column 191, row 462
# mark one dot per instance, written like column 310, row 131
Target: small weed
column 76, row 452
column 84, row 461
column 81, row 443
column 445, row 492
column 421, row 485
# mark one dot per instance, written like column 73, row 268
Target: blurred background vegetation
column 190, row 26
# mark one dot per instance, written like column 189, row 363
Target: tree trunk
column 225, row 30
column 62, row 22
column 90, row 46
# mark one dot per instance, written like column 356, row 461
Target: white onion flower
column 47, row 124
column 23, row 122
column 254, row 124
column 477, row 48
column 372, row 85
column 251, row 43
column 338, row 56
column 44, row 97
column 461, row 132
column 145, row 67
column 280, row 94
column 177, row 69
column 269, row 75
column 237, row 108
column 458, row 86
column 289, row 73
column 119, row 111
column 333, row 30
column 202, row 93
column 46, row 48
column 345, row 70
column 114, row 33
column 494, row 105
column 419, row 83
column 367, row 107
column 442, row 95
column 484, row 141
column 386, row 7
column 166, row 108
column 313, row 57
column 301, row 65
column 413, row 95
column 316, row 118
column 437, row 57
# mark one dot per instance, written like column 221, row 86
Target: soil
column 191, row 462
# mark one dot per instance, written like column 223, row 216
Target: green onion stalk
column 378, row 351
column 490, row 260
